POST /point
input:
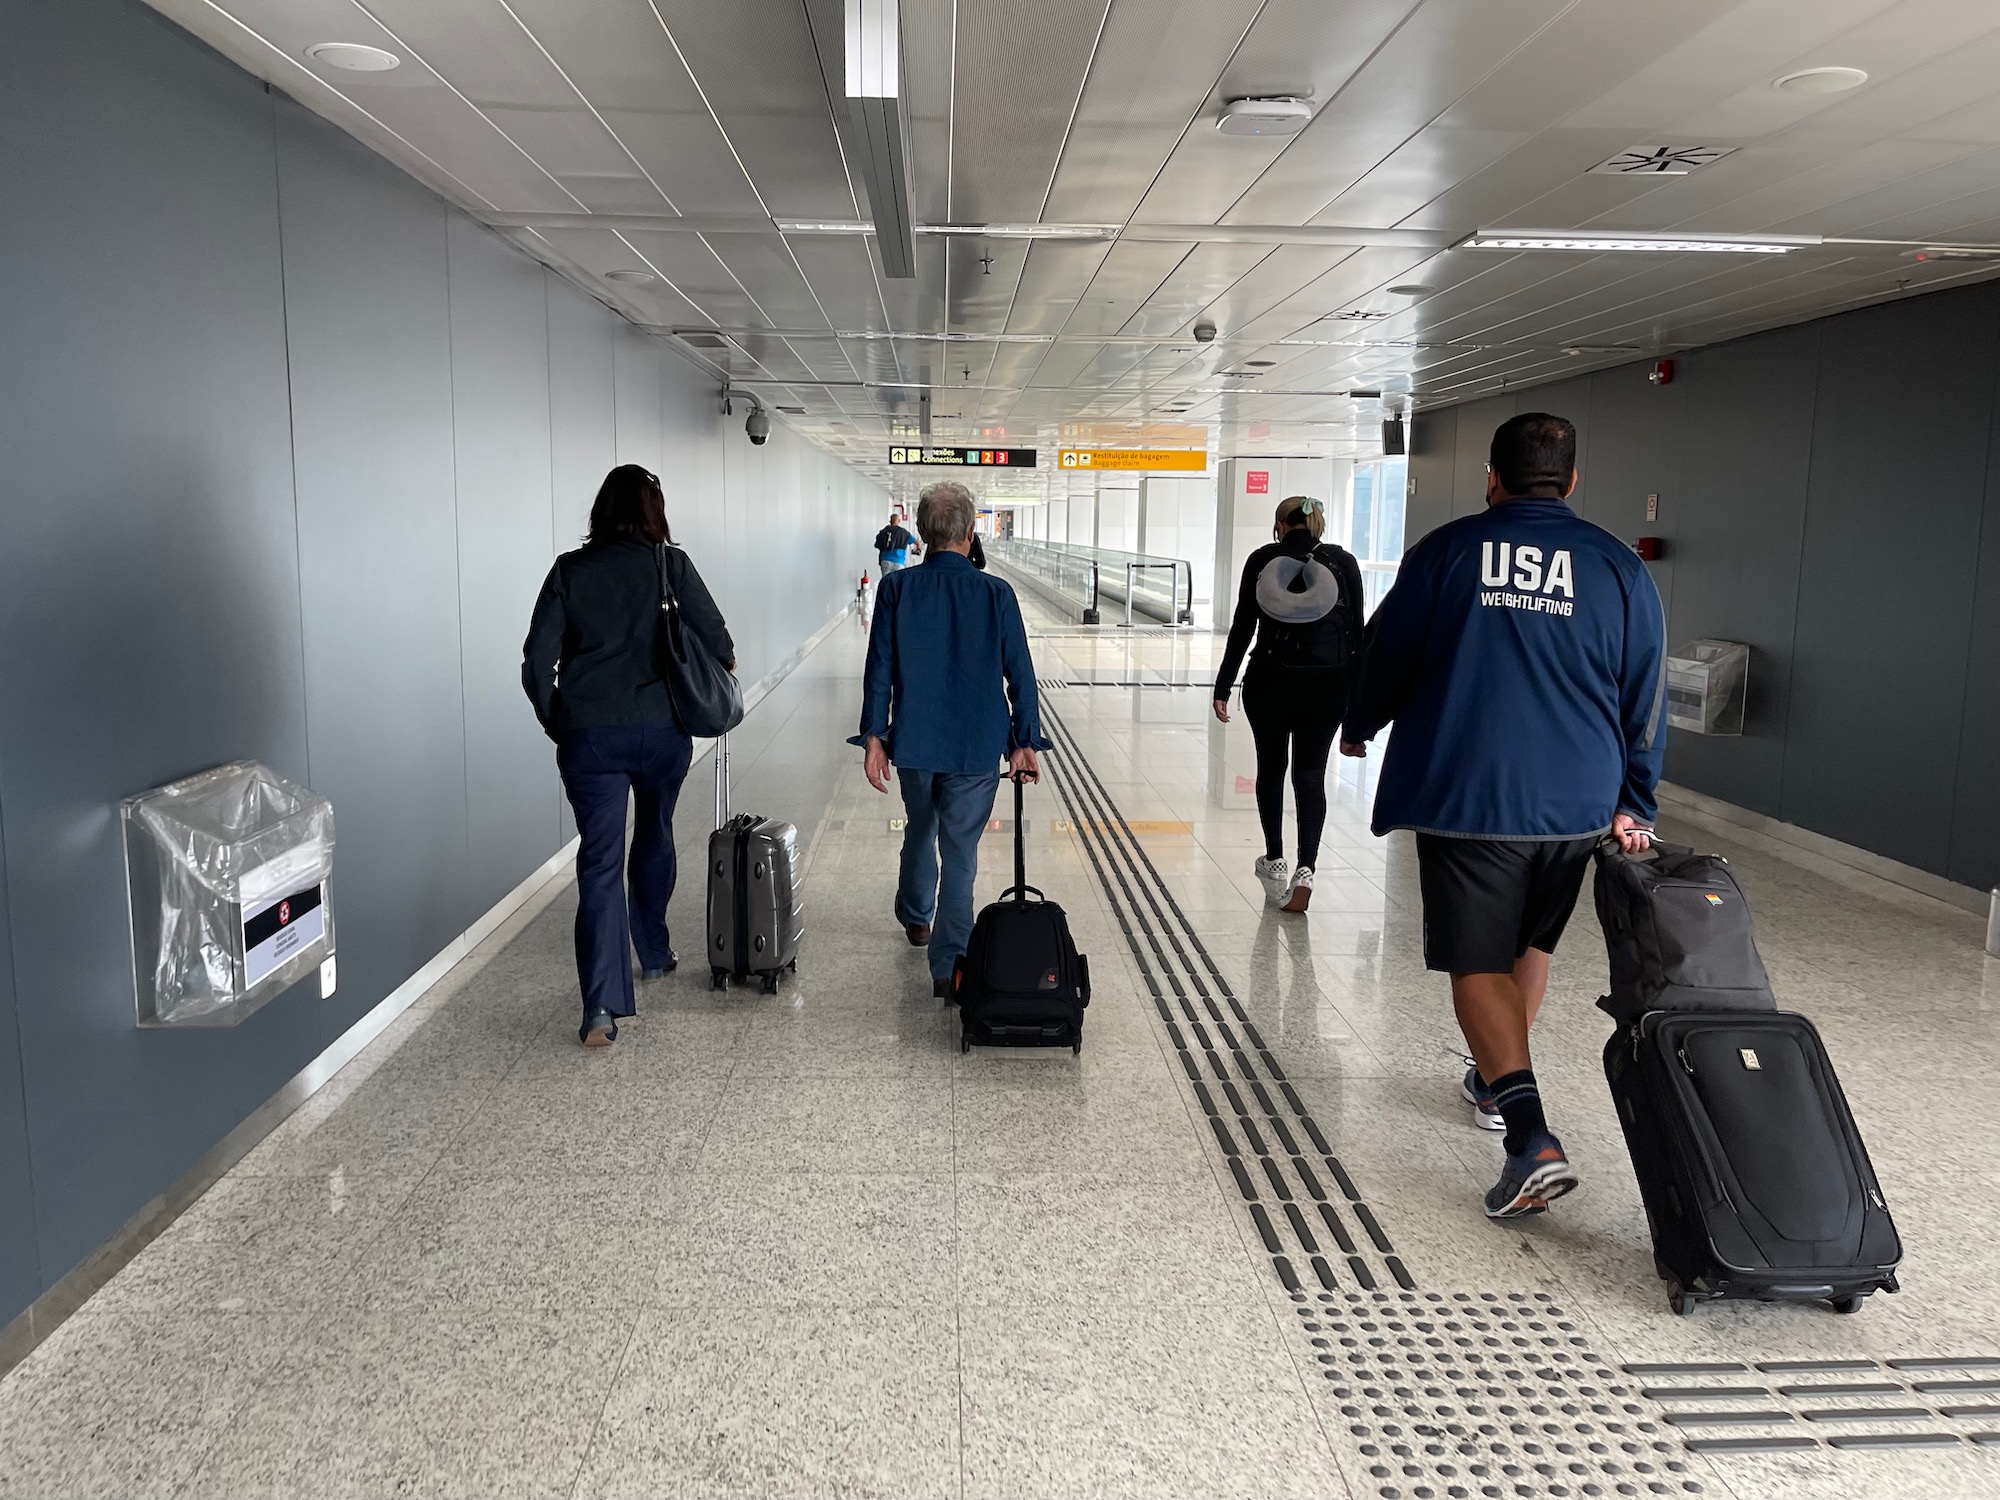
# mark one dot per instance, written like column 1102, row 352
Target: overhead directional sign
column 966, row 458
column 1149, row 460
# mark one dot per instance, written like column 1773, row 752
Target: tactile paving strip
column 1942, row 1402
column 1280, row 1160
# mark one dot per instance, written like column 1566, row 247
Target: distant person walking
column 1300, row 596
column 592, row 671
column 949, row 689
column 1521, row 654
column 893, row 544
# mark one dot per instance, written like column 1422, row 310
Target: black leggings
column 1293, row 718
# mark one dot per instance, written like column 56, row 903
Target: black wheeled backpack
column 1020, row 981
column 1754, row 1177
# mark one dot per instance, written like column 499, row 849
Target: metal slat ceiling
column 1441, row 116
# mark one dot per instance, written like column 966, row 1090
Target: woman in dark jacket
column 1301, row 597
column 591, row 670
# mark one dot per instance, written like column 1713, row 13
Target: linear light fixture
column 1594, row 242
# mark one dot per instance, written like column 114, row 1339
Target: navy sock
column 1520, row 1104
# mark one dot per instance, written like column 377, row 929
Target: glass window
column 1381, row 488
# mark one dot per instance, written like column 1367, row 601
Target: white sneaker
column 1277, row 878
column 1301, row 894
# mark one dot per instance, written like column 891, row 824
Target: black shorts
column 1488, row 901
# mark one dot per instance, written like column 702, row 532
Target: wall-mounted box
column 1707, row 682
column 229, row 875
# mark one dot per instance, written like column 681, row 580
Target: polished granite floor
column 797, row 1245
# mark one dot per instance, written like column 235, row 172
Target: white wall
column 1176, row 518
column 1118, row 519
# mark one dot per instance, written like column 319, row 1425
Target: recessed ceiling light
column 1570, row 239
column 1410, row 289
column 631, row 278
column 1262, row 364
column 1820, row 81
column 353, row 57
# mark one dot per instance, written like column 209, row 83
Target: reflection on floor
column 797, row 1245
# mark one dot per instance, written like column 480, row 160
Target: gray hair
column 945, row 513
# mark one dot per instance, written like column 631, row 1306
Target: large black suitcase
column 1020, row 981
column 1754, row 1176
column 755, row 916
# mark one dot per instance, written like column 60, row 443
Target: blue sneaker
column 1485, row 1113
column 1531, row 1181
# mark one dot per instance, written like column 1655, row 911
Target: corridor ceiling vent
column 353, row 57
column 631, row 278
column 1284, row 115
column 878, row 148
column 1820, row 81
column 700, row 338
column 1357, row 315
column 1670, row 244
column 1660, row 161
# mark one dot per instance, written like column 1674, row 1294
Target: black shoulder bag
column 707, row 701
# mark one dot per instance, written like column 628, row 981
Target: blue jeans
column 944, row 816
column 601, row 768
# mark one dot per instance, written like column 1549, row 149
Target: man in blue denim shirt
column 946, row 654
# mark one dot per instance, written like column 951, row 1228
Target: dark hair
column 629, row 508
column 1534, row 453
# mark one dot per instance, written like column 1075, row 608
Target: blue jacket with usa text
column 1521, row 654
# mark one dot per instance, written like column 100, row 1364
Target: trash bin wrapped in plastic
column 230, row 876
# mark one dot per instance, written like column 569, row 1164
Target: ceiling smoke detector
column 1661, row 161
column 1410, row 289
column 353, row 57
column 1820, row 81
column 1285, row 115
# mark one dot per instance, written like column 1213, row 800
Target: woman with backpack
column 1301, row 598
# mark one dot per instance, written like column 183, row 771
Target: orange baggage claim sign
column 1145, row 460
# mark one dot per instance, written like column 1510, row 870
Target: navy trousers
column 601, row 770
column 944, row 815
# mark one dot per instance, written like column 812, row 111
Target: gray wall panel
column 1433, row 453
column 636, row 367
column 367, row 294
column 1885, row 594
column 1476, row 422
column 1637, row 452
column 500, row 427
column 147, row 566
column 1975, row 824
column 20, row 1259
column 1735, row 525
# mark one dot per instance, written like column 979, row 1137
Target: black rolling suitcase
column 1020, row 981
column 1755, row 1179
column 755, row 918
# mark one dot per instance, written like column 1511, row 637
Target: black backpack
column 1679, row 933
column 1020, row 981
column 885, row 540
column 1307, row 643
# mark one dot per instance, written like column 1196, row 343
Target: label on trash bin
column 276, row 931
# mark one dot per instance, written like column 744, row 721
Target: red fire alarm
column 1662, row 372
column 1651, row 548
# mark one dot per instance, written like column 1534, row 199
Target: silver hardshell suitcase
column 755, row 917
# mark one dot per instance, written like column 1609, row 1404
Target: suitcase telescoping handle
column 723, row 779
column 1020, row 890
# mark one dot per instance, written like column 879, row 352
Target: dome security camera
column 758, row 426
column 1204, row 332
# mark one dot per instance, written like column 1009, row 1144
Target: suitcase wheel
column 793, row 966
column 964, row 1042
column 718, row 979
column 1681, row 1302
column 1847, row 1304
column 771, row 982
column 1076, row 1048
